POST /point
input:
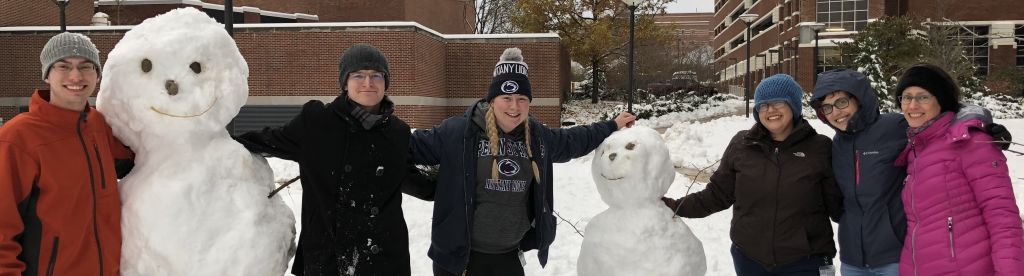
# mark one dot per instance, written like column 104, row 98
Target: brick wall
column 304, row 62
column 43, row 13
column 959, row 10
column 445, row 16
column 8, row 112
column 428, row 57
column 135, row 14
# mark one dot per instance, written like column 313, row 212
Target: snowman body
column 637, row 234
column 196, row 201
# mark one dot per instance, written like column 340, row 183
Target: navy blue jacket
column 872, row 229
column 452, row 144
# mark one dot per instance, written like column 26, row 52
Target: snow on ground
column 690, row 143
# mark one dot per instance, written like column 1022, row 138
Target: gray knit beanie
column 65, row 45
column 362, row 57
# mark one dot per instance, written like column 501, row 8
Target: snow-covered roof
column 147, row 2
column 342, row 25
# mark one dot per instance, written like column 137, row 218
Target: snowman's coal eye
column 630, row 146
column 147, row 65
column 196, row 67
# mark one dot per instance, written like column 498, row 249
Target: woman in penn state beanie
column 777, row 177
column 494, row 189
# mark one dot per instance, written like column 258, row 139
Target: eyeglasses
column 839, row 103
column 360, row 77
column 84, row 68
column 921, row 99
column 775, row 105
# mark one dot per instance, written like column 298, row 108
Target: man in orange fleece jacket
column 60, row 211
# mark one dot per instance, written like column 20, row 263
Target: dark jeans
column 748, row 267
column 505, row 264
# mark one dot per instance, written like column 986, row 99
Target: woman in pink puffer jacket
column 962, row 218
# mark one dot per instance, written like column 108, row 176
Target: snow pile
column 196, row 202
column 681, row 108
column 637, row 234
column 577, row 199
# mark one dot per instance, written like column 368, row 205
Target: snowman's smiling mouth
column 612, row 179
column 165, row 113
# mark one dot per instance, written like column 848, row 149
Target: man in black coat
column 352, row 155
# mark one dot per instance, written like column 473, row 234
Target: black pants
column 748, row 267
column 505, row 264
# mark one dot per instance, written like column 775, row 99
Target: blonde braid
column 529, row 151
column 492, row 135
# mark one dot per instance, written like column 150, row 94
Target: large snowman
column 196, row 202
column 637, row 234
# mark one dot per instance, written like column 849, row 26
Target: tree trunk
column 594, row 81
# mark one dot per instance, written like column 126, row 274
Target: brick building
column 434, row 75
column 782, row 42
column 690, row 30
column 444, row 16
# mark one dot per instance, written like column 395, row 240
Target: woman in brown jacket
column 778, row 177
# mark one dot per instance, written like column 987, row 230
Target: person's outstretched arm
column 283, row 142
column 581, row 140
column 719, row 193
column 989, row 178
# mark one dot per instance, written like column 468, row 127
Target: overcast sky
column 690, row 6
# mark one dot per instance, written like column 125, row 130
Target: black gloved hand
column 1000, row 134
column 671, row 203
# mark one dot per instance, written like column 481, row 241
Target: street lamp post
column 229, row 17
column 817, row 28
column 632, row 21
column 62, row 4
column 747, row 18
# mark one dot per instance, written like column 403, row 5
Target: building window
column 1019, row 35
column 975, row 42
column 760, row 27
column 736, row 15
column 851, row 15
column 736, row 42
column 829, row 58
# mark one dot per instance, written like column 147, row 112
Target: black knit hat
column 936, row 81
column 362, row 57
column 510, row 76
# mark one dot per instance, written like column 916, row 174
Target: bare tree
column 492, row 16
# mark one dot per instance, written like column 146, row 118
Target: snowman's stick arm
column 286, row 183
column 688, row 187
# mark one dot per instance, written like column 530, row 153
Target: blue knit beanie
column 779, row 87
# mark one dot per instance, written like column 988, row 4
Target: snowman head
column 177, row 75
column 632, row 166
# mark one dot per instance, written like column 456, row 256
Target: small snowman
column 637, row 234
column 196, row 202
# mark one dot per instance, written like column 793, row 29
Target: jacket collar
column 63, row 118
column 942, row 128
column 759, row 135
column 356, row 116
